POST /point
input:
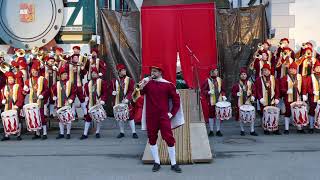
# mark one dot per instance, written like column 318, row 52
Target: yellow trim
column 125, row 90
column 315, row 86
column 264, row 91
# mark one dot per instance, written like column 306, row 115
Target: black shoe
column 266, row 132
column 219, row 134
column 19, row 138
column 156, row 167
column 242, row 133
column 36, row 137
column 310, row 131
column 176, row 168
column 98, row 135
column 277, row 132
column 68, row 136
column 286, row 132
column 302, row 131
column 44, row 137
column 5, row 138
column 253, row 133
column 135, row 136
column 60, row 136
column 211, row 133
column 121, row 135
column 83, row 137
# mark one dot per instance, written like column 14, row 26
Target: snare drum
column 271, row 118
column 32, row 115
column 247, row 113
column 10, row 122
column 121, row 112
column 223, row 110
column 65, row 115
column 97, row 113
column 299, row 113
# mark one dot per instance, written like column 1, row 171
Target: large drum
column 121, row 112
column 317, row 117
column 10, row 122
column 97, row 113
column 247, row 114
column 65, row 115
column 271, row 118
column 32, row 115
column 299, row 113
column 223, row 110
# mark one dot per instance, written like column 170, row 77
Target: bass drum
column 41, row 19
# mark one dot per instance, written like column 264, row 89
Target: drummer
column 64, row 95
column 290, row 89
column 267, row 91
column 213, row 89
column 243, row 93
column 12, row 98
column 37, row 88
column 122, row 91
column 95, row 92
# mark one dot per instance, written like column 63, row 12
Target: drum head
column 41, row 19
column 246, row 108
column 223, row 104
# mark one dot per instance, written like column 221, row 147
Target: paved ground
column 264, row 157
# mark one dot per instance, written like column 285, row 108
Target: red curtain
column 167, row 30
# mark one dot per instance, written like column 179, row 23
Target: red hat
column 266, row 42
column 35, row 66
column 9, row 74
column 317, row 63
column 95, row 50
column 63, row 69
column 59, row 49
column 158, row 66
column 309, row 43
column 266, row 66
column 76, row 47
column 286, row 49
column 120, row 67
column 94, row 69
column 285, row 39
column 308, row 48
column 243, row 70
column 293, row 65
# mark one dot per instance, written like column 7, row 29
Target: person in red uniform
column 12, row 98
column 37, row 88
column 96, row 62
column 306, row 62
column 291, row 90
column 64, row 94
column 283, row 62
column 122, row 92
column 267, row 90
column 158, row 116
column 2, row 76
column 96, row 92
column 243, row 93
column 310, row 91
column 259, row 61
column 21, row 74
column 51, row 76
column 213, row 90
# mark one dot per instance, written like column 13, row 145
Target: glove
column 54, row 68
column 224, row 98
column 86, row 99
column 102, row 102
column 276, row 101
column 41, row 66
column 239, row 94
column 3, row 101
column 25, row 88
column 262, row 101
column 253, row 98
column 126, row 101
column 15, row 107
column 100, row 74
column 316, row 93
column 318, row 102
column 170, row 115
column 290, row 91
column 114, row 93
column 40, row 97
column 70, row 101
column 54, row 98
column 305, row 98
